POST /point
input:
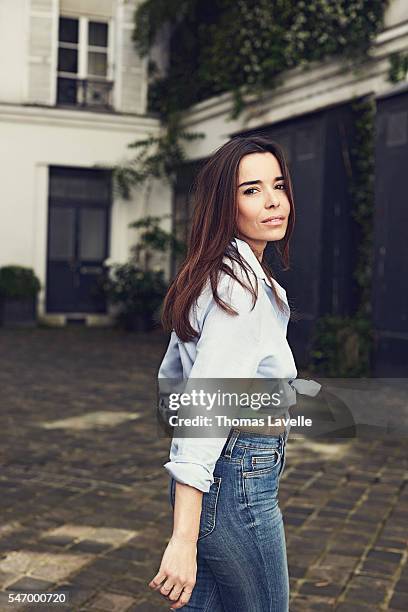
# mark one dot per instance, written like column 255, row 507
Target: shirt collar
column 247, row 253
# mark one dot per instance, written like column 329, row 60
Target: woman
column 228, row 318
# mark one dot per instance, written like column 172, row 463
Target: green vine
column 158, row 157
column 362, row 193
column 235, row 46
column 398, row 70
column 154, row 239
column 241, row 46
column 342, row 345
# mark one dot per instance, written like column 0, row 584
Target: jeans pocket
column 209, row 509
column 263, row 462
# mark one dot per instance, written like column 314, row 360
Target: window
column 84, row 63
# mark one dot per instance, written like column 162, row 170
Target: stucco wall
column 36, row 139
column 13, row 50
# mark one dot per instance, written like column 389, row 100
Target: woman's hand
column 178, row 570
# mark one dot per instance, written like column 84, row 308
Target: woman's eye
column 282, row 185
column 246, row 192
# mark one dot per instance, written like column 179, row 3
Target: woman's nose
column 272, row 201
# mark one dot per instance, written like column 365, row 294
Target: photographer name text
column 205, row 421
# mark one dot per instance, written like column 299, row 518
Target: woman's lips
column 273, row 222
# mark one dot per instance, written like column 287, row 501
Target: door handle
column 91, row 269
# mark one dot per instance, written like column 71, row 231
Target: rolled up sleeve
column 228, row 347
column 192, row 461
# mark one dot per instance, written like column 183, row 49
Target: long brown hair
column 212, row 229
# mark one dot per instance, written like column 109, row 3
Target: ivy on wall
column 242, row 46
column 362, row 194
column 398, row 70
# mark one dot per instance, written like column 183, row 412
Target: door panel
column 91, row 253
column 79, row 214
column 61, row 257
column 92, row 224
column 390, row 270
column 62, row 234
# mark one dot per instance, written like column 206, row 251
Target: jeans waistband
column 251, row 439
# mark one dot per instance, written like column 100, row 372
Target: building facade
column 72, row 97
column 310, row 115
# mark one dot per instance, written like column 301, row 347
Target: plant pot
column 18, row 312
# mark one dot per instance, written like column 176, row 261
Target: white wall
column 37, row 138
column 33, row 137
column 91, row 8
column 13, row 50
column 396, row 13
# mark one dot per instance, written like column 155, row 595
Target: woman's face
column 261, row 194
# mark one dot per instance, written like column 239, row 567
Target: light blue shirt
column 252, row 344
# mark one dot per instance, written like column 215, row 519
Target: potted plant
column 137, row 288
column 19, row 288
column 136, row 293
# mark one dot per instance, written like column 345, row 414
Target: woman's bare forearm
column 177, row 574
column 187, row 512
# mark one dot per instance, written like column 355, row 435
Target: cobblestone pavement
column 84, row 498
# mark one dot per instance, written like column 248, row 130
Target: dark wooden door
column 78, row 239
column 390, row 275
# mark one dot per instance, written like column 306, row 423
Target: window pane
column 67, row 60
column 68, row 30
column 92, row 234
column 97, row 64
column 80, row 184
column 62, row 234
column 98, row 34
column 97, row 93
column 67, row 91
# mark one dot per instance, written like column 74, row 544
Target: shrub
column 18, row 282
column 135, row 291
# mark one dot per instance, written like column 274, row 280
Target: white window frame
column 83, row 49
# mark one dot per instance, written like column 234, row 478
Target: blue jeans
column 241, row 549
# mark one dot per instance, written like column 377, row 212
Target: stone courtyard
column 84, row 497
